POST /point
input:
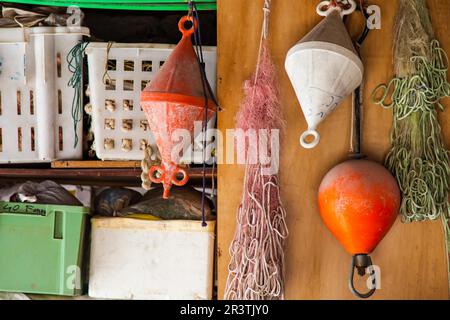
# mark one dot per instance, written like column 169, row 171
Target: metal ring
column 352, row 272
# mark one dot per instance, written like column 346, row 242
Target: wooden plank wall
column 411, row 257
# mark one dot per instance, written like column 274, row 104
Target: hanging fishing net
column 256, row 269
column 418, row 157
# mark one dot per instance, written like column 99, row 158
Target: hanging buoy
column 175, row 99
column 324, row 67
column 359, row 202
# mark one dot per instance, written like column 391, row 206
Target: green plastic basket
column 161, row 5
column 41, row 248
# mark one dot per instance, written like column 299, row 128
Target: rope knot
column 266, row 10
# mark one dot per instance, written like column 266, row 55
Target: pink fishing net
column 256, row 269
column 261, row 106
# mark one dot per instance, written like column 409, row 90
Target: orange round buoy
column 358, row 202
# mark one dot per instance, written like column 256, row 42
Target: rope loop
column 418, row 158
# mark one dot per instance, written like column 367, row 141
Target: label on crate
column 22, row 208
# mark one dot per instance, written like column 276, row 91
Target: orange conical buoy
column 174, row 100
column 359, row 202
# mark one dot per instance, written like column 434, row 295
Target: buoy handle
column 182, row 27
column 312, row 144
column 361, row 262
column 324, row 8
column 184, row 179
column 152, row 174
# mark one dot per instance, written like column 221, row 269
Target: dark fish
column 47, row 192
column 111, row 200
column 183, row 204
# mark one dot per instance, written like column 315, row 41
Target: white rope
column 352, row 124
column 266, row 10
column 146, row 163
column 256, row 269
column 264, row 35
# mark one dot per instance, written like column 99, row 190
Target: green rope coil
column 418, row 158
column 75, row 65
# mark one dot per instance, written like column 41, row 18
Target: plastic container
column 41, row 248
column 143, row 259
column 118, row 122
column 36, row 122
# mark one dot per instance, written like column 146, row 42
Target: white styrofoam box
column 133, row 54
column 35, row 100
column 143, row 259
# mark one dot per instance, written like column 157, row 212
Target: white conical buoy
column 324, row 68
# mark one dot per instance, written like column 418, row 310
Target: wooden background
column 412, row 256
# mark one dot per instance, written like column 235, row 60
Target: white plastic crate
column 134, row 79
column 36, row 122
column 142, row 259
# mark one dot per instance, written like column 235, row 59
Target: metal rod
column 358, row 93
column 357, row 112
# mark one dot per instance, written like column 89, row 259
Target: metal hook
column 190, row 8
column 362, row 6
column 361, row 262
